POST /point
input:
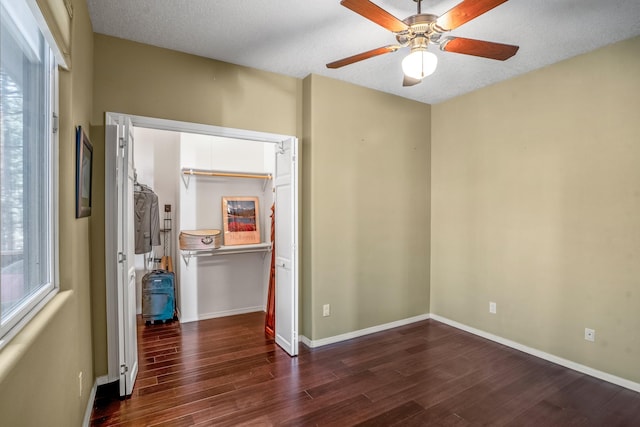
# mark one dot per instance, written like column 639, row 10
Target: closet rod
column 227, row 174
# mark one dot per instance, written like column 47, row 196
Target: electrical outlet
column 589, row 334
column 326, row 310
column 492, row 307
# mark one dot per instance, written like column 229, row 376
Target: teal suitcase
column 158, row 296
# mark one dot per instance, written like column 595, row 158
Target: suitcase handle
column 160, row 271
column 207, row 240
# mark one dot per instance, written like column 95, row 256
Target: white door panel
column 286, row 247
column 126, row 276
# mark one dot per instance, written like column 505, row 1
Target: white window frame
column 36, row 302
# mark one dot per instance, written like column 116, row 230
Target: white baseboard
column 306, row 341
column 102, row 380
column 359, row 333
column 622, row 382
column 214, row 315
column 541, row 354
column 92, row 397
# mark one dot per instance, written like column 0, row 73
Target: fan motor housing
column 421, row 26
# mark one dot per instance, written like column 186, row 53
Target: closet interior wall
column 234, row 283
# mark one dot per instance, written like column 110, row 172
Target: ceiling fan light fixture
column 419, row 64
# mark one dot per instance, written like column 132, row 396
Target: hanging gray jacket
column 147, row 219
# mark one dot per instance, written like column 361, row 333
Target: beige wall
column 39, row 368
column 365, row 207
column 536, row 201
column 143, row 80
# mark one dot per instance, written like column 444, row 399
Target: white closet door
column 126, row 275
column 286, row 200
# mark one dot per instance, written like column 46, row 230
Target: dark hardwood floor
column 224, row 372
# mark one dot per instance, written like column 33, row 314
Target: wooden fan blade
column 410, row 81
column 376, row 14
column 364, row 55
column 465, row 12
column 480, row 48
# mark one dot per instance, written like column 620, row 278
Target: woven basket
column 193, row 240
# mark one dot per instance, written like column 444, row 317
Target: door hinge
column 55, row 123
column 124, row 369
column 121, row 142
column 121, row 257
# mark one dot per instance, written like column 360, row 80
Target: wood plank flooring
column 224, row 372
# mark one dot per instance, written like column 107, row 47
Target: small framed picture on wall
column 84, row 166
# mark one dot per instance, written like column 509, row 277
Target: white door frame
column 110, row 217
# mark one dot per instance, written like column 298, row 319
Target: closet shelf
column 189, row 172
column 224, row 250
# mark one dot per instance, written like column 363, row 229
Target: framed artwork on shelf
column 84, row 166
column 240, row 218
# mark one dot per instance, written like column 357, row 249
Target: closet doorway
column 281, row 188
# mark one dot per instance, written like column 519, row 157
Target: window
column 27, row 180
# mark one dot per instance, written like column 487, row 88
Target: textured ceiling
column 297, row 38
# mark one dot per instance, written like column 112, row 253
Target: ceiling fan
column 420, row 30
